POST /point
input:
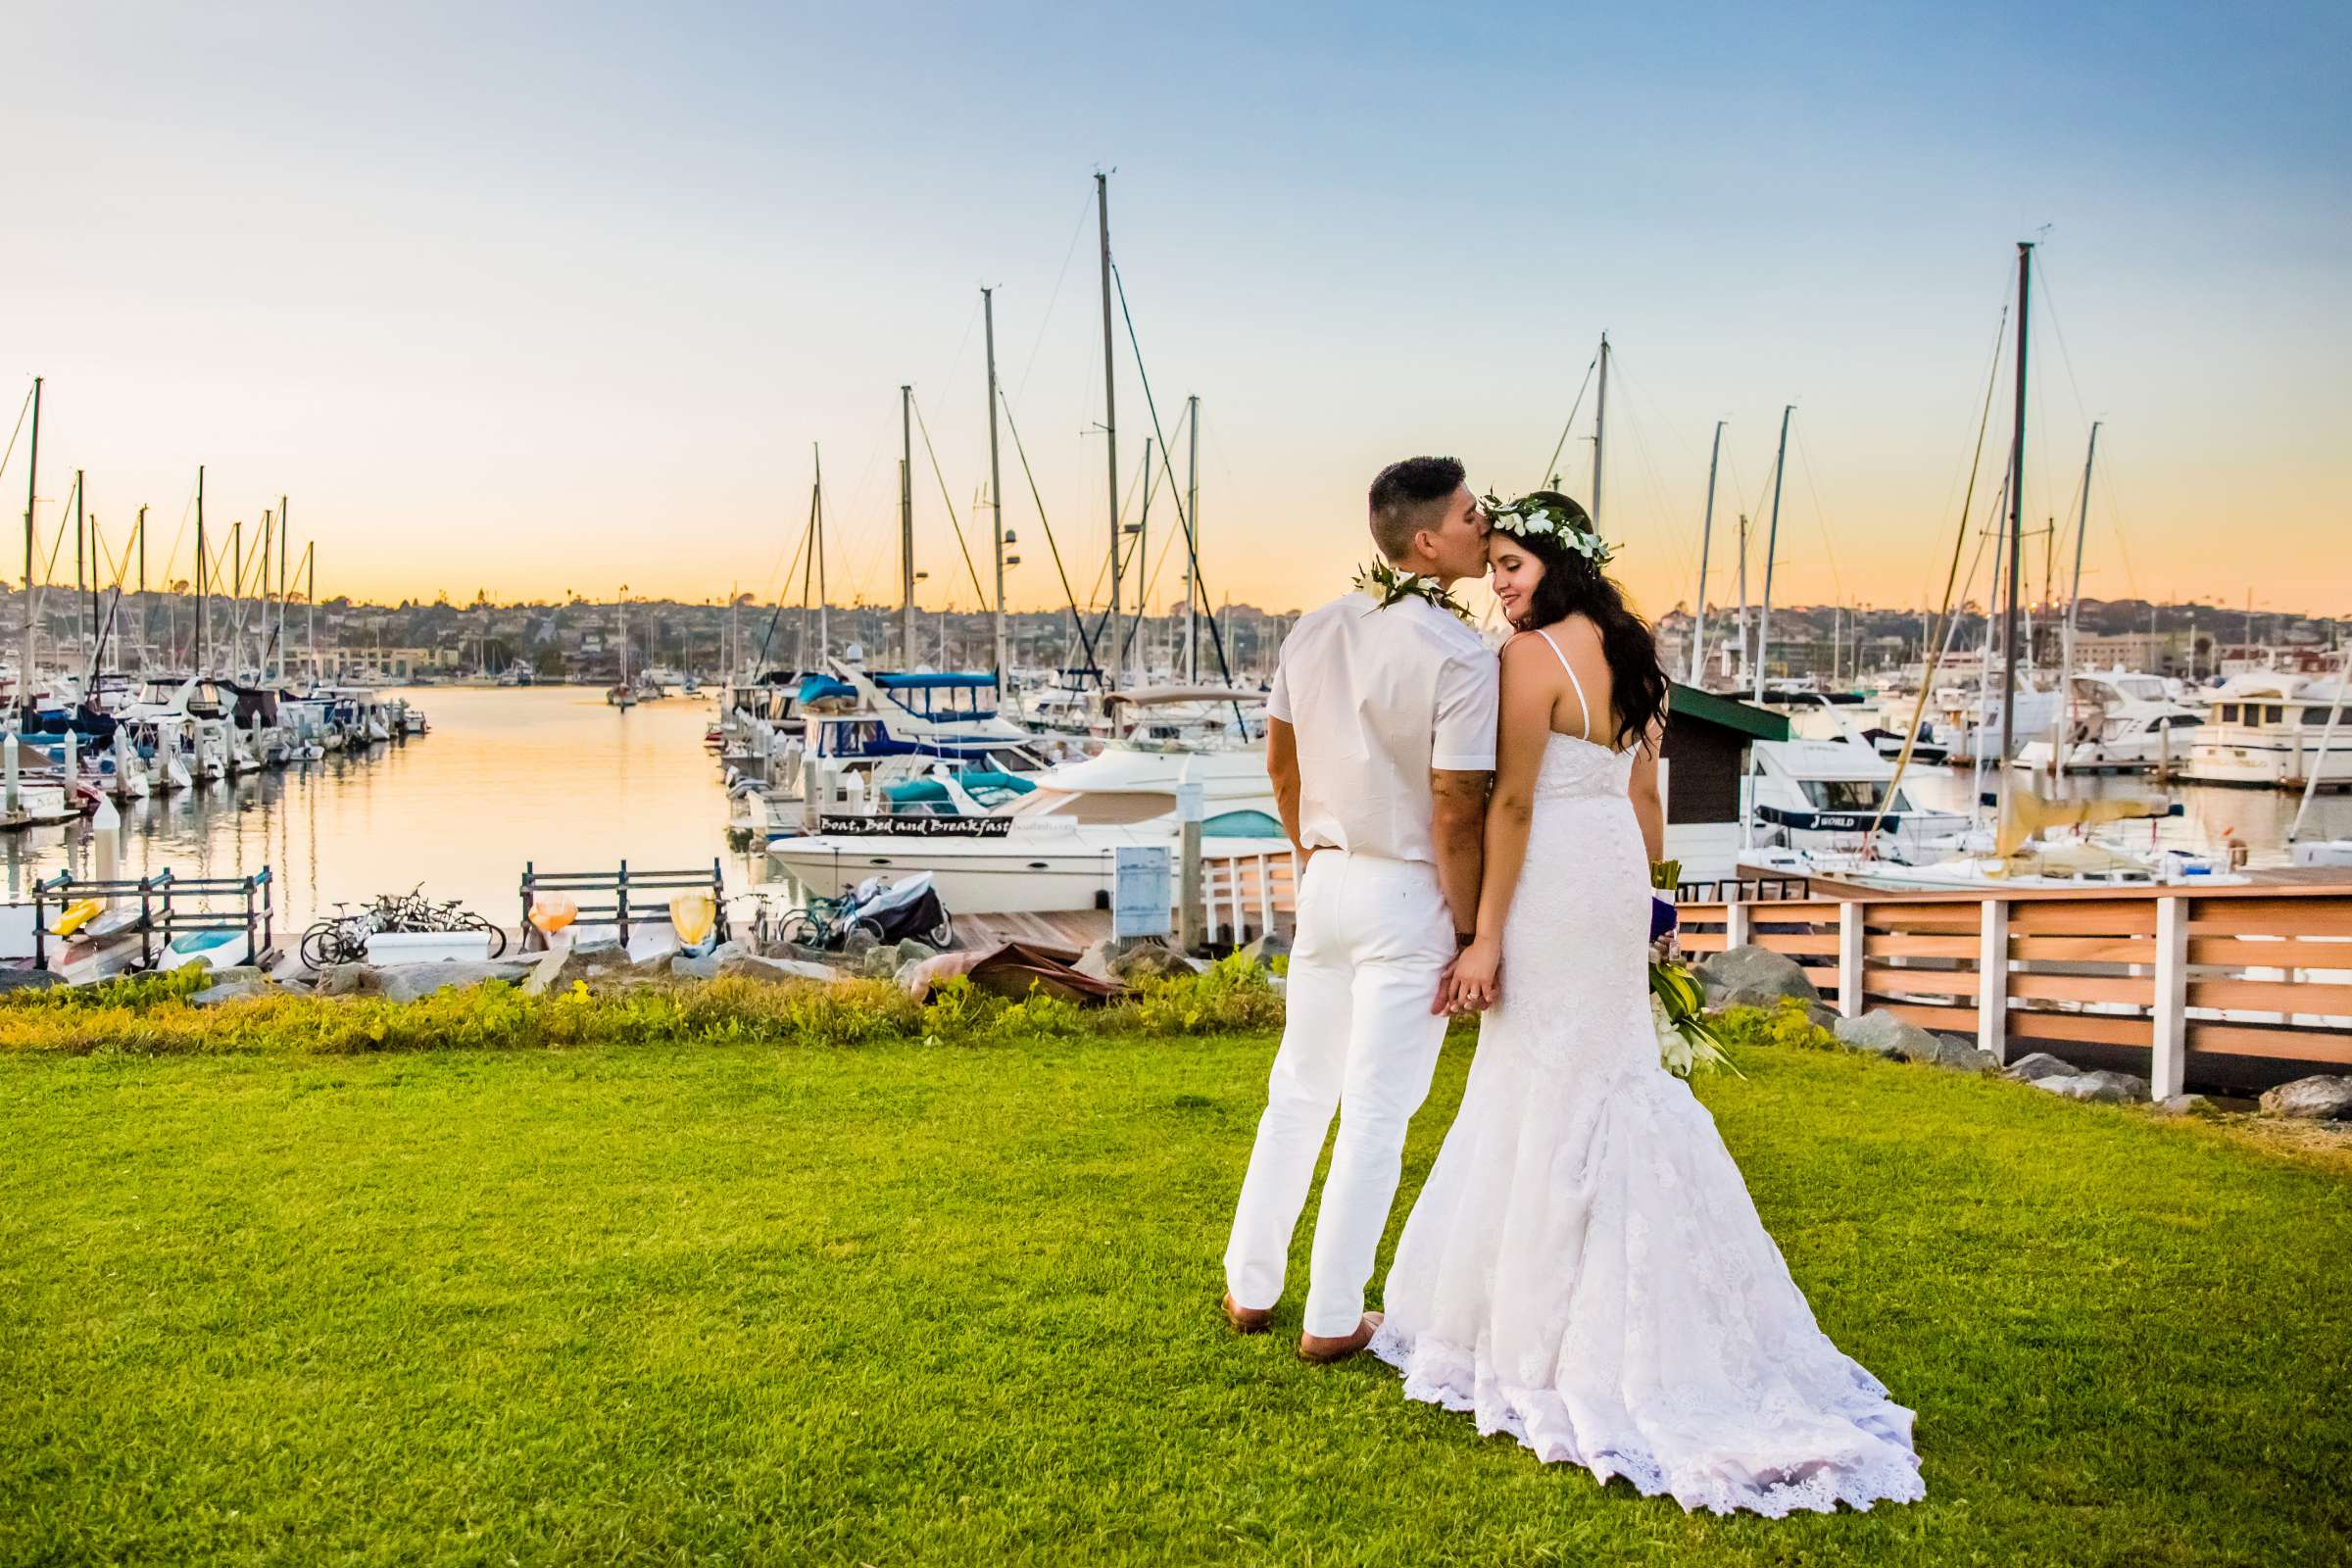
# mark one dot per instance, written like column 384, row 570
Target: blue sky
column 545, row 298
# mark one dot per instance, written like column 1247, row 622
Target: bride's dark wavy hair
column 1572, row 585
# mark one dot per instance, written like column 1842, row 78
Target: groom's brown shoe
column 1323, row 1349
column 1246, row 1319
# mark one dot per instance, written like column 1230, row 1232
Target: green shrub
column 150, row 1016
column 123, row 990
column 1785, row 1023
column 1233, row 993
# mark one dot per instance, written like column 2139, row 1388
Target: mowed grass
column 926, row 1304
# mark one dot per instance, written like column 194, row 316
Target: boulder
column 691, row 966
column 235, row 974
column 878, row 962
column 1148, row 960
column 1267, row 948
column 750, row 966
column 2316, row 1098
column 341, row 980
column 1760, row 970
column 2100, row 1088
column 407, row 982
column 911, row 950
column 857, row 944
column 2188, row 1106
column 221, row 991
column 652, row 946
column 2040, row 1064
column 557, row 969
column 28, row 980
column 1959, row 1053
column 706, row 965
column 1882, row 1034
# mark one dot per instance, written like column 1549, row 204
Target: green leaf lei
column 1390, row 585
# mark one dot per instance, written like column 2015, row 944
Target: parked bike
column 342, row 937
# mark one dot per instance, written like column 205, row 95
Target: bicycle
column 339, row 937
column 814, row 925
column 342, row 938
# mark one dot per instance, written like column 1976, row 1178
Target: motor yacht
column 2119, row 722
column 2267, row 728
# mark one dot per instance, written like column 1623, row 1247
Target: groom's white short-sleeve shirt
column 1378, row 697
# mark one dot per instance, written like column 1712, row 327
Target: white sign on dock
column 1140, row 899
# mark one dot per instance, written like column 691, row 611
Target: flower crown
column 1545, row 515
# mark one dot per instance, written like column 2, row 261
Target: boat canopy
column 946, row 682
column 825, row 689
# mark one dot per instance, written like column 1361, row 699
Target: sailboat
column 622, row 694
column 2035, row 842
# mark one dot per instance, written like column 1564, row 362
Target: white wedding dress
column 1585, row 1269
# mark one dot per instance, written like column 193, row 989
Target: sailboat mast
column 1111, row 419
column 237, row 594
column 2074, row 607
column 1771, row 542
column 1706, row 537
column 995, row 492
column 907, row 649
column 824, row 639
column 1142, row 562
column 2319, row 764
column 2017, row 527
column 281, row 588
column 1191, row 520
column 32, row 484
column 1600, row 422
column 146, row 606
column 1740, row 659
column 310, row 604
column 204, row 645
column 799, row 652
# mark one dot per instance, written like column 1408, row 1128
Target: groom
column 1381, row 747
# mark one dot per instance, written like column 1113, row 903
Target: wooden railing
column 1245, row 896
column 2231, row 987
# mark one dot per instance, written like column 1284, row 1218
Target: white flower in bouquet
column 1674, row 1050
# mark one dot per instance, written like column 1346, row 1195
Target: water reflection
column 546, row 775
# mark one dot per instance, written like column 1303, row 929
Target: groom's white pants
column 1373, row 938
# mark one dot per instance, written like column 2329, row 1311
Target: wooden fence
column 1245, row 896
column 2231, row 988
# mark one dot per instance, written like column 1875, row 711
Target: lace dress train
column 1583, row 1269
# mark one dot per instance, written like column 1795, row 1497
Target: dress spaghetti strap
column 1582, row 705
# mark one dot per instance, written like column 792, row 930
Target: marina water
column 550, row 775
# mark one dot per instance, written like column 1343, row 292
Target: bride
column 1585, row 1269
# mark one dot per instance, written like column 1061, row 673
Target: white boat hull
column 2268, row 766
column 984, row 876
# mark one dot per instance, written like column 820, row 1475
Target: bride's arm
column 1650, row 806
column 1529, row 692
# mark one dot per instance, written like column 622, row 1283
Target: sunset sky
column 538, row 299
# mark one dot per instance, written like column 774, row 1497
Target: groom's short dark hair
column 1402, row 496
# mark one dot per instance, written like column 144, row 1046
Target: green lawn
column 937, row 1304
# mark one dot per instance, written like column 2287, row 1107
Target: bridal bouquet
column 1687, row 1040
